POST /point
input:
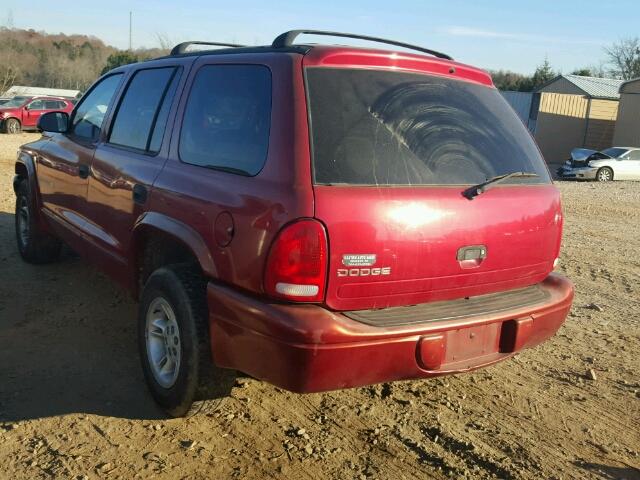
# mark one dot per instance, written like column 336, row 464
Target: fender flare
column 181, row 232
column 25, row 168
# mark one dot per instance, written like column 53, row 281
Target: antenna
column 130, row 28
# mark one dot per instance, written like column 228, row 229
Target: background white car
column 615, row 163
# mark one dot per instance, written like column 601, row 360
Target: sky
column 513, row 35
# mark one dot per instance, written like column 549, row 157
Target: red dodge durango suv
column 315, row 216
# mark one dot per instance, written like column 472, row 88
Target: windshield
column 372, row 127
column 614, row 152
column 15, row 102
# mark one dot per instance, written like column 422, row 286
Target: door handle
column 139, row 194
column 83, row 171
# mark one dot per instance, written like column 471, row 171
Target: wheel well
column 155, row 249
column 13, row 118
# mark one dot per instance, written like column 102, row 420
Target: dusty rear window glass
column 372, row 127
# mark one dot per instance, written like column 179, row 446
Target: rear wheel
column 173, row 339
column 605, row 174
column 12, row 126
column 34, row 245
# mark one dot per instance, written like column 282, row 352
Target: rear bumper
column 306, row 348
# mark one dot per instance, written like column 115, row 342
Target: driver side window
column 90, row 113
column 36, row 105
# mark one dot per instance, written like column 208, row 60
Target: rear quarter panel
column 258, row 206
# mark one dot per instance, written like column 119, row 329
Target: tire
column 605, row 174
column 12, row 126
column 173, row 335
column 35, row 246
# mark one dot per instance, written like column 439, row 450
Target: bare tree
column 7, row 78
column 624, row 57
column 164, row 41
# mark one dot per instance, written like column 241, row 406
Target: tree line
column 32, row 58
column 622, row 61
column 38, row 59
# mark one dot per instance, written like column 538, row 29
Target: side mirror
column 54, row 122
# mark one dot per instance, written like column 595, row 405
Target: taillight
column 297, row 263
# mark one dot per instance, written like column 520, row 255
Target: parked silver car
column 615, row 163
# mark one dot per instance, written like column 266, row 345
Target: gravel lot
column 73, row 403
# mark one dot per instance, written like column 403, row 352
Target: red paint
column 415, row 233
column 349, row 57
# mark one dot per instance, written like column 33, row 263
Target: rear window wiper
column 476, row 190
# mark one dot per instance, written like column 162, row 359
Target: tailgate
column 401, row 246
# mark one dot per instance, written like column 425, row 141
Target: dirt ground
column 73, row 403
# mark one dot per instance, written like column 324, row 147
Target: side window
column 634, row 155
column 227, row 119
column 51, row 104
column 143, row 111
column 163, row 114
column 88, row 117
column 36, row 105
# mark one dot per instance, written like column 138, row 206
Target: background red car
column 22, row 113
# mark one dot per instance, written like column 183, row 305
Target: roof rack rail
column 287, row 38
column 182, row 47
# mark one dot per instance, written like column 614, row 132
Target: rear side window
column 387, row 128
column 227, row 119
column 143, row 109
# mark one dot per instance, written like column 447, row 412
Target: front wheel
column 605, row 174
column 34, row 245
column 173, row 339
column 12, row 126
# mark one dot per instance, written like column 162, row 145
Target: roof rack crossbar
column 287, row 38
column 182, row 47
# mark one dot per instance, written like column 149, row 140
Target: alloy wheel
column 604, row 175
column 13, row 127
column 162, row 337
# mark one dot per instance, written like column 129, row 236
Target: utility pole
column 130, row 23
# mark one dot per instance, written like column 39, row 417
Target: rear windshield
column 371, row 127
